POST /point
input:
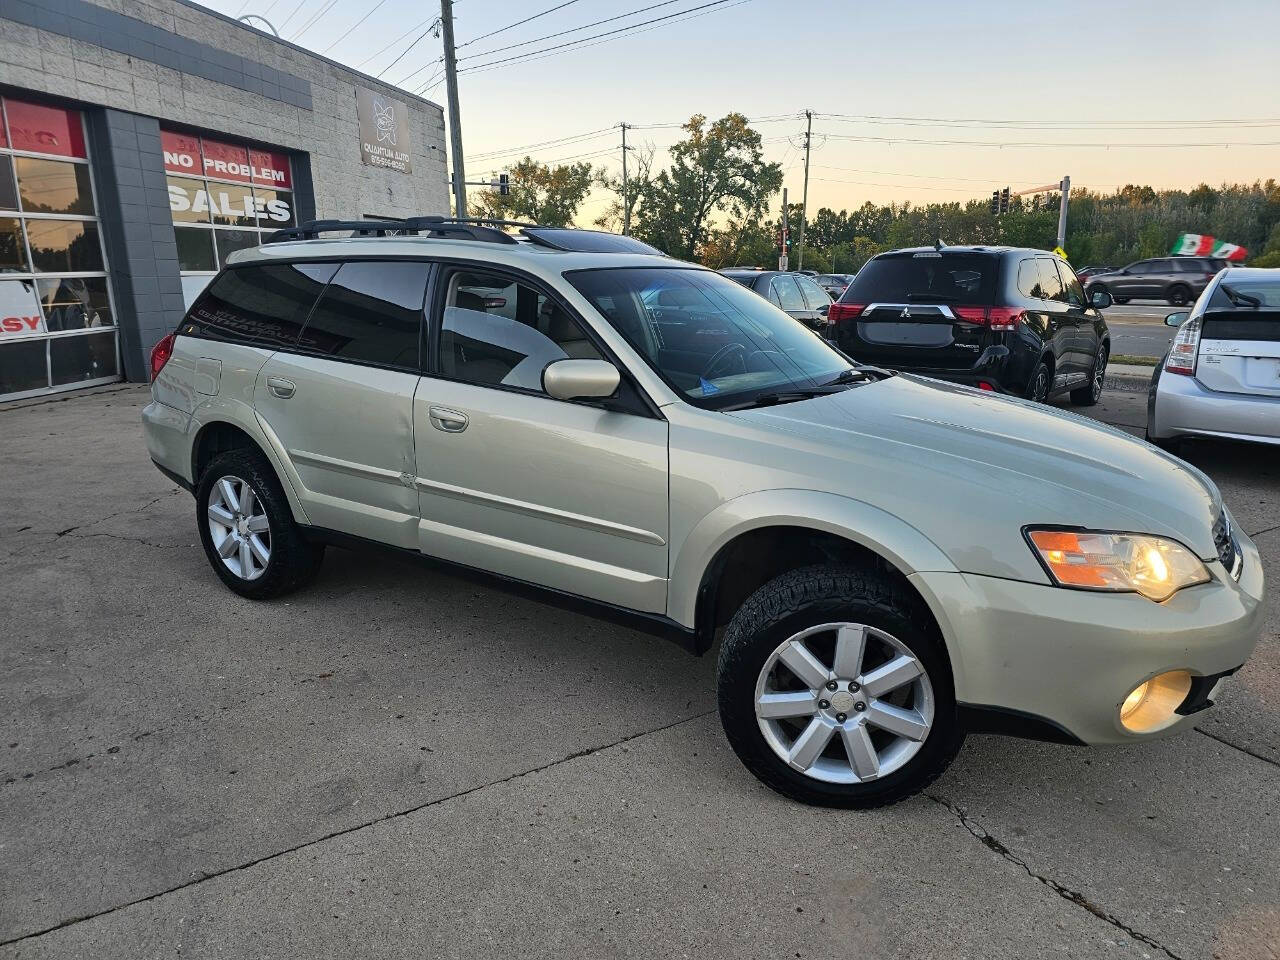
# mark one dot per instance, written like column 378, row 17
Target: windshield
column 710, row 339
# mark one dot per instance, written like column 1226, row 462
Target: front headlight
column 1128, row 562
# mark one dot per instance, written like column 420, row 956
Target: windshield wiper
column 1239, row 299
column 781, row 396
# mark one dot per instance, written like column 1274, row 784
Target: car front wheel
column 248, row 530
column 834, row 689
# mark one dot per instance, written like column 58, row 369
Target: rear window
column 1242, row 325
column 925, row 278
column 1266, row 293
column 262, row 305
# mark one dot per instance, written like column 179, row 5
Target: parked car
column 1179, row 280
column 834, row 283
column 1084, row 273
column 796, row 293
column 887, row 561
column 1010, row 320
column 1221, row 376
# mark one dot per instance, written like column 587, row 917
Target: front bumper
column 1070, row 657
column 1182, row 406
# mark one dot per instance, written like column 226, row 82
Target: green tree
column 550, row 196
column 718, row 170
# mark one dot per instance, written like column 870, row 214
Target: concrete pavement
column 398, row 763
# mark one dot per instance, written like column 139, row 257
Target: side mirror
column 824, row 309
column 580, row 379
column 1101, row 299
column 1177, row 319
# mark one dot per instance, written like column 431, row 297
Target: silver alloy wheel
column 1040, row 388
column 1099, row 372
column 875, row 694
column 239, row 528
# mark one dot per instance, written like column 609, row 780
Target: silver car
column 1221, row 376
column 887, row 562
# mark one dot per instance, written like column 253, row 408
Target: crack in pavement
column 1072, row 896
column 1235, row 746
column 1267, row 530
column 577, row 754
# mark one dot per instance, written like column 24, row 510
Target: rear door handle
column 450, row 421
column 281, row 387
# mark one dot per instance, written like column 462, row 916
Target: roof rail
column 460, row 228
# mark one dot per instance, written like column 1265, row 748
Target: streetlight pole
column 455, row 124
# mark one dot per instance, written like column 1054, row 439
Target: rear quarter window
column 259, row 304
column 925, row 277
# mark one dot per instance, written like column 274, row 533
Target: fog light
column 1151, row 705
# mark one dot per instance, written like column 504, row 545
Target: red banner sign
column 188, row 154
column 41, row 129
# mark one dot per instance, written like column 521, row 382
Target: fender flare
column 902, row 545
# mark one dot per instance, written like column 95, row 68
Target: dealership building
column 138, row 149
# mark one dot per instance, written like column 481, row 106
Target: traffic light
column 504, row 185
column 1004, row 200
column 995, row 203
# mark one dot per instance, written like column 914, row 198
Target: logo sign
column 384, row 131
column 19, row 309
column 188, row 154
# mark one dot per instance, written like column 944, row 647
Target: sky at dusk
column 1031, row 91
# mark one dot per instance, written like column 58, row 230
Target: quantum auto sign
column 384, row 131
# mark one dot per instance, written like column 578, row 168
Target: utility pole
column 455, row 128
column 786, row 232
column 626, row 207
column 804, row 199
column 1062, row 212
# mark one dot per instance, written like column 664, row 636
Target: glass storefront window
column 195, row 249
column 231, row 205
column 229, row 241
column 57, row 325
column 188, row 200
column 13, row 251
column 54, row 186
column 275, row 208
column 64, row 246
column 193, row 285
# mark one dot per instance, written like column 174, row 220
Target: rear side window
column 261, row 305
column 814, row 295
column 370, row 313
column 788, row 293
column 925, row 278
column 1029, row 280
column 1050, row 282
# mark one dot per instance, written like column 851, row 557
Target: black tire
column 1091, row 392
column 1179, row 295
column 293, row 559
column 809, row 597
column 1172, row 445
column 1040, row 383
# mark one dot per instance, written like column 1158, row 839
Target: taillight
column 997, row 318
column 840, row 312
column 1183, row 350
column 161, row 353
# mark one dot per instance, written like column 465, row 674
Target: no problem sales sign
column 200, row 156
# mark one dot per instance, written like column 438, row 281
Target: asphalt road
column 1138, row 329
column 397, row 763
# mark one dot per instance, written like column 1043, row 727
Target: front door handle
column 281, row 387
column 450, row 421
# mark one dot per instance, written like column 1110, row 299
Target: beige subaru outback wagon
column 886, row 561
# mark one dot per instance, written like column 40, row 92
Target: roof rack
column 459, row 228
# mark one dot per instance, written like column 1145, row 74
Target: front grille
column 1225, row 541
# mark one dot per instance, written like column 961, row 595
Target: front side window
column 1070, row 284
column 722, row 345
column 370, row 313
column 499, row 332
column 263, row 305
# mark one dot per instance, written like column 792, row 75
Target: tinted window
column 498, row 332
column 925, row 278
column 64, row 246
column 370, row 313
column 265, row 305
column 814, row 295
column 52, row 186
column 8, row 192
column 1074, row 292
column 1050, row 282
column 788, row 294
column 1142, row 266
column 726, row 345
column 1029, row 280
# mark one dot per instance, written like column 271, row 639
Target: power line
column 585, row 26
column 599, row 36
column 313, row 20
column 408, row 48
column 1045, row 143
column 408, row 32
column 1054, row 124
column 518, row 23
column 351, row 29
column 294, row 13
column 560, row 141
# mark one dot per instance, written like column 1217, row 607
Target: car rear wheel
column 834, row 689
column 1179, row 295
column 1038, row 385
column 1090, row 393
column 248, row 530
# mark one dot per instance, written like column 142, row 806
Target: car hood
column 966, row 467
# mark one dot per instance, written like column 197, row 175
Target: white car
column 1221, row 376
column 887, row 562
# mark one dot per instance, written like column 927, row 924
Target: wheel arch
column 226, row 431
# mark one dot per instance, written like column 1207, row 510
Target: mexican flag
column 1203, row 245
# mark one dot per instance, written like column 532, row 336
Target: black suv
column 997, row 318
column 1179, row 280
column 798, row 294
